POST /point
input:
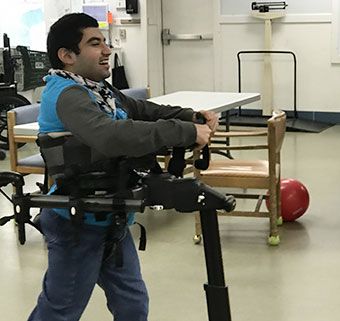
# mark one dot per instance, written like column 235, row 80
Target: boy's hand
column 211, row 119
column 203, row 133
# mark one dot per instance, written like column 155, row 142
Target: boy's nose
column 107, row 50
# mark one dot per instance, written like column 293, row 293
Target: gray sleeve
column 146, row 110
column 113, row 138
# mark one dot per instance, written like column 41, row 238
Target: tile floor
column 296, row 281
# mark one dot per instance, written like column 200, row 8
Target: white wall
column 317, row 78
column 154, row 47
column 308, row 35
column 134, row 52
column 306, row 30
column 134, row 47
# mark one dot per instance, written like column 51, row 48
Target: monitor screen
column 99, row 12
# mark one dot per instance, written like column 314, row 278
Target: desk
column 205, row 100
column 197, row 100
column 26, row 133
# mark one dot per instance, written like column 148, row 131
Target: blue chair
column 33, row 164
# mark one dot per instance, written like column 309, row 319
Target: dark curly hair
column 67, row 33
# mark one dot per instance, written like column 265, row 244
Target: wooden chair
column 263, row 174
column 19, row 121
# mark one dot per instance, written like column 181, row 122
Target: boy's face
column 93, row 60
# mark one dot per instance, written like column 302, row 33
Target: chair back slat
column 276, row 130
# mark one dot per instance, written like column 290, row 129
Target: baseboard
column 323, row 117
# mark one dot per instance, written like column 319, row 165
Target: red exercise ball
column 294, row 199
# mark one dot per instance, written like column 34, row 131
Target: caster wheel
column 279, row 221
column 197, row 239
column 274, row 240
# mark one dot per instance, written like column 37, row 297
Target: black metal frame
column 9, row 97
column 36, row 65
column 164, row 190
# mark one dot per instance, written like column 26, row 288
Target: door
column 186, row 64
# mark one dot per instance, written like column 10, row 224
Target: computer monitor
column 99, row 11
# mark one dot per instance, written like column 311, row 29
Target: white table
column 29, row 129
column 206, row 100
column 197, row 100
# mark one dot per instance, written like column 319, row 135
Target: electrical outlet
column 122, row 33
column 116, row 42
column 120, row 4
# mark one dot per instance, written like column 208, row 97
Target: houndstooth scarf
column 104, row 97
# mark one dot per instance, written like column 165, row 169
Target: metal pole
column 216, row 290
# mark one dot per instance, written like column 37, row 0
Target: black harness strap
column 142, row 238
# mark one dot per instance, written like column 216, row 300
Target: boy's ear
column 67, row 56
